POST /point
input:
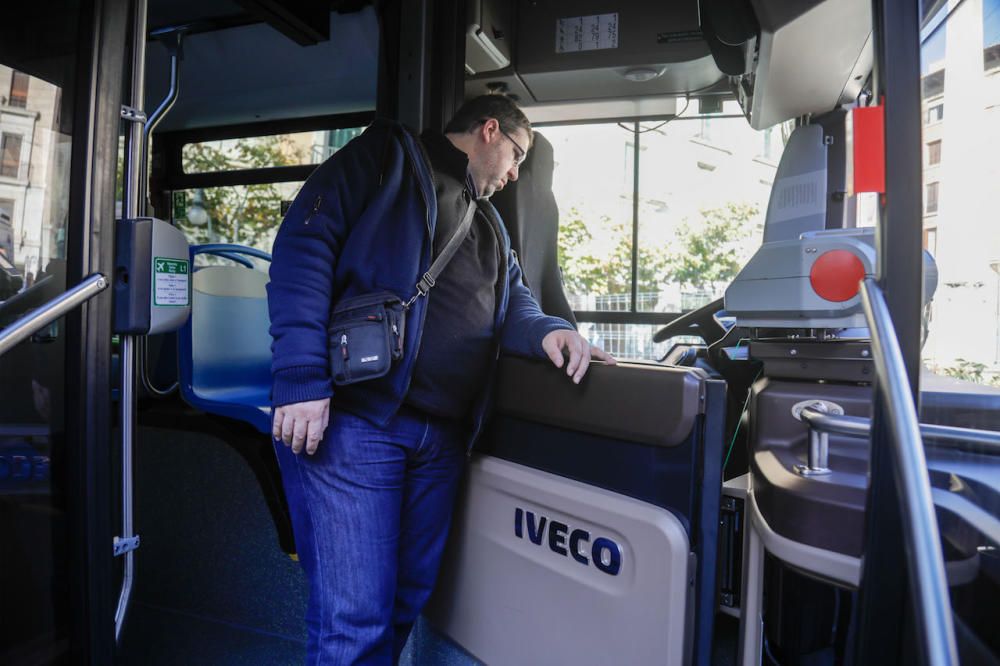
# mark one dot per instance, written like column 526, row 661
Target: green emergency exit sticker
column 171, row 282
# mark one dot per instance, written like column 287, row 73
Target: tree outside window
column 244, row 214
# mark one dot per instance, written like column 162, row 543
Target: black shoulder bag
column 366, row 332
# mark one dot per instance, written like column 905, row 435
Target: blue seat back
column 229, row 320
column 224, row 351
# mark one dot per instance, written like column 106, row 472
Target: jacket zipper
column 315, row 209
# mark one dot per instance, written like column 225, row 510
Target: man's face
column 496, row 157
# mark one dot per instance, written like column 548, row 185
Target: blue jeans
column 370, row 511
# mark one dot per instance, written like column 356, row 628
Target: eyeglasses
column 520, row 153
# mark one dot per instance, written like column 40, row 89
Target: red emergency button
column 836, row 275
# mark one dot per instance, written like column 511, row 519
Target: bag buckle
column 424, row 286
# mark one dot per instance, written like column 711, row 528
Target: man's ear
column 489, row 130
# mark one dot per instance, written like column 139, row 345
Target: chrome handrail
column 40, row 317
column 928, row 585
column 860, row 426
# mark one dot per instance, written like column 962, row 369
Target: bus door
column 60, row 78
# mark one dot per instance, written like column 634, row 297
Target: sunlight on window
column 961, row 184
column 696, row 226
column 258, row 152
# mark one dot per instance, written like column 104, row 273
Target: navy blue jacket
column 364, row 221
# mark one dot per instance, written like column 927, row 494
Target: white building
column 961, row 184
column 34, row 171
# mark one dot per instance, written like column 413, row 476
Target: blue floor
column 212, row 585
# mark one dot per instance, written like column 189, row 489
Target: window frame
column 932, row 202
column 937, row 105
column 168, row 151
column 934, row 150
column 15, row 98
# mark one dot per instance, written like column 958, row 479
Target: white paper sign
column 587, row 33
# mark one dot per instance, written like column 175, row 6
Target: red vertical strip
column 869, row 149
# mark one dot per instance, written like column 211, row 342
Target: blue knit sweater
column 364, row 222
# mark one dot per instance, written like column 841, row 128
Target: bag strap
column 429, row 279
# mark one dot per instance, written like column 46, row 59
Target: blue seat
column 224, row 351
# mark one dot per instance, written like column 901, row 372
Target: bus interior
column 758, row 206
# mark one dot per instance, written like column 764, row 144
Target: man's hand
column 302, row 423
column 580, row 352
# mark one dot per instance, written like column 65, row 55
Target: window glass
column 626, row 340
column 19, row 90
column 960, row 383
column 38, row 55
column 703, row 186
column 934, row 153
column 931, row 202
column 241, row 214
column 10, row 150
column 702, row 199
column 991, row 35
column 961, row 187
column 265, row 151
column 248, row 214
column 593, row 186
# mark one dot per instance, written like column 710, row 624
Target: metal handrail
column 135, row 147
column 951, row 437
column 44, row 315
column 928, row 585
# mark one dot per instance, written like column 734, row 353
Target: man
column 371, row 498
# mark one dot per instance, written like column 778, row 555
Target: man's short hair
column 478, row 109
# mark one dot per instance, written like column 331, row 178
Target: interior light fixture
column 640, row 74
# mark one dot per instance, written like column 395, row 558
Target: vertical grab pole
column 134, row 149
column 173, row 44
column 922, row 540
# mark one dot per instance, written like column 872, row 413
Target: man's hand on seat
column 302, row 424
column 580, row 352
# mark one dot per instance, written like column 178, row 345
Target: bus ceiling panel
column 254, row 73
column 163, row 13
column 302, row 21
column 43, row 54
column 811, row 57
column 585, row 50
column 604, row 79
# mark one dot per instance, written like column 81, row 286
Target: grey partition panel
column 546, row 570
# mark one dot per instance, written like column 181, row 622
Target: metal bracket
column 133, row 115
column 126, row 544
column 819, row 442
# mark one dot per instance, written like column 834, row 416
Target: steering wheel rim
column 700, row 322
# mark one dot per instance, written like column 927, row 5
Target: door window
column 961, row 333
column 38, row 55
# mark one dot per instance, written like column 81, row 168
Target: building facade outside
column 33, row 173
column 960, row 110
